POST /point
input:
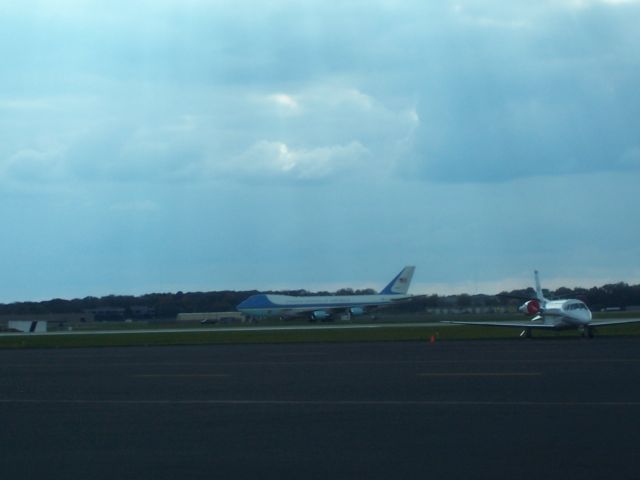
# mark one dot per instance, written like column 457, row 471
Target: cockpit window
column 576, row 306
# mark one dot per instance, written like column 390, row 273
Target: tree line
column 617, row 295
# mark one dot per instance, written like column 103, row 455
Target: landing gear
column 588, row 332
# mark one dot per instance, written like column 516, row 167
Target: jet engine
column 531, row 307
column 320, row 315
column 356, row 311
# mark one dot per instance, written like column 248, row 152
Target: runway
column 241, row 328
column 551, row 408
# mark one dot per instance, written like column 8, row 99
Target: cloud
column 476, row 118
column 591, row 3
column 631, row 158
column 139, row 133
column 268, row 160
column 550, row 100
column 135, row 206
column 18, row 104
column 284, row 102
column 149, row 155
column 492, row 19
column 33, row 167
column 456, row 92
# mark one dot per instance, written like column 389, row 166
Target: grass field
column 216, row 334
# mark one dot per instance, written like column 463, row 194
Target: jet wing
column 407, row 298
column 541, row 326
column 613, row 321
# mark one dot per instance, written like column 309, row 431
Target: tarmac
column 527, row 409
column 241, row 328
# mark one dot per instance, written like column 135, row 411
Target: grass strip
column 406, row 333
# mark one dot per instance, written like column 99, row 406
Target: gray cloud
column 457, row 129
column 499, row 92
column 553, row 97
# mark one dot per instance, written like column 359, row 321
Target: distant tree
column 464, row 300
column 170, row 304
column 345, row 291
column 563, row 292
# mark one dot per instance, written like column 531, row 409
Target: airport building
column 212, row 317
column 40, row 322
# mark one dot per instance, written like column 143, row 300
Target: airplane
column 553, row 315
column 325, row 307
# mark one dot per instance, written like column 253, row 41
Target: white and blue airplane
column 553, row 315
column 325, row 307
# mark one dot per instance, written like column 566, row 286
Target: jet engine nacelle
column 320, row 315
column 532, row 307
column 356, row 311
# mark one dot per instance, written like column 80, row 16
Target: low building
column 105, row 314
column 142, row 311
column 27, row 326
column 55, row 321
column 211, row 317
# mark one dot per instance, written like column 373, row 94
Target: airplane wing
column 541, row 326
column 613, row 321
column 407, row 298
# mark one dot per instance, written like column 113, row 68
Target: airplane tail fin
column 400, row 284
column 539, row 294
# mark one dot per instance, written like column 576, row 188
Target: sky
column 191, row 145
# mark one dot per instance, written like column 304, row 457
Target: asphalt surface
column 541, row 408
column 242, row 328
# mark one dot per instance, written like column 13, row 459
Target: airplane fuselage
column 553, row 315
column 286, row 305
column 326, row 306
column 566, row 313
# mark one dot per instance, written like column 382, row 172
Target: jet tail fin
column 400, row 284
column 539, row 294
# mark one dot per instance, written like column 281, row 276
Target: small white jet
column 325, row 307
column 553, row 315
